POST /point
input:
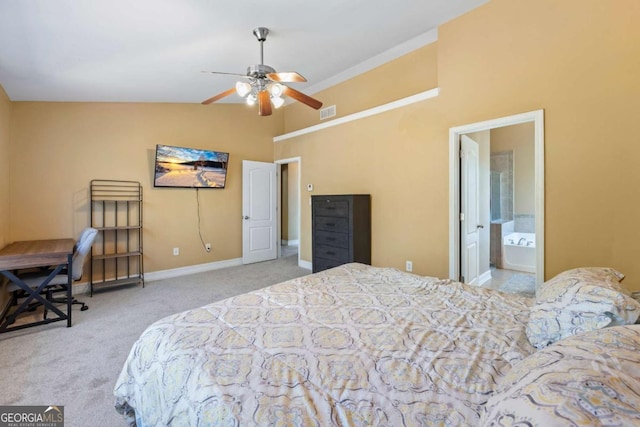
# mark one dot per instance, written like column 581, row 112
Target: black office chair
column 59, row 282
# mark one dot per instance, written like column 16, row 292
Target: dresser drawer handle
column 330, row 208
column 330, row 239
column 330, row 253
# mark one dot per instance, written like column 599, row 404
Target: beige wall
column 5, row 117
column 575, row 59
column 412, row 73
column 57, row 148
column 408, row 191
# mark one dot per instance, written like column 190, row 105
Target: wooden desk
column 37, row 253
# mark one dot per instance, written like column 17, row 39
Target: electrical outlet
column 409, row 266
column 176, row 251
column 207, row 247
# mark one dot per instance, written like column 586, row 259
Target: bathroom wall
column 502, row 165
column 518, row 140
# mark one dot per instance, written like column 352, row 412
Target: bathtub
column 519, row 252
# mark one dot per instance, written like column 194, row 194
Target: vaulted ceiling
column 156, row 50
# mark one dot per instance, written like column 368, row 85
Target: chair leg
column 83, row 306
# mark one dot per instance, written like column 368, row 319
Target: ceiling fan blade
column 264, row 103
column 219, row 96
column 299, row 96
column 220, row 72
column 286, row 77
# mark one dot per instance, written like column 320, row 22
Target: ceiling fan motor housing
column 259, row 71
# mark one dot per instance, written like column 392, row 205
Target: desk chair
column 59, row 282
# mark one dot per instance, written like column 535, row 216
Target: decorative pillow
column 577, row 301
column 586, row 380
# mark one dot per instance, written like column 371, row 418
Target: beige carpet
column 77, row 367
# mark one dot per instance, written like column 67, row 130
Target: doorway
column 502, row 206
column 289, row 178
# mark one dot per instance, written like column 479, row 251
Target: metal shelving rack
column 116, row 212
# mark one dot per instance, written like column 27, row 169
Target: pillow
column 577, row 301
column 585, row 380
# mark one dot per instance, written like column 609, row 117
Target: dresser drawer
column 331, row 252
column 327, row 223
column 328, row 207
column 320, row 264
column 329, row 238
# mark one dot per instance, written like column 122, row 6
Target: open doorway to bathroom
column 512, row 229
column 497, row 203
column 289, row 207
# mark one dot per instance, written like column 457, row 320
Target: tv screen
column 190, row 167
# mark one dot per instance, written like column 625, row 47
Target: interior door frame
column 279, row 164
column 537, row 117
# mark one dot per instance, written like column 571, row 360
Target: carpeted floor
column 77, row 367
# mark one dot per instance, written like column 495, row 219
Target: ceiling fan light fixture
column 243, row 88
column 251, row 99
column 277, row 101
column 276, row 89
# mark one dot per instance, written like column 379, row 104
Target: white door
column 469, row 210
column 259, row 221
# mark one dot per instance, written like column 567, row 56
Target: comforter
column 352, row 346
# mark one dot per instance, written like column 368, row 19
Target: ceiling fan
column 265, row 86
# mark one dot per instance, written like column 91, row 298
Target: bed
column 352, row 346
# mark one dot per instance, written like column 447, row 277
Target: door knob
column 245, row 217
column 480, row 226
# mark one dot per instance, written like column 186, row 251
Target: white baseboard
column 289, row 242
column 484, row 277
column 80, row 288
column 305, row 264
column 192, row 269
column 83, row 288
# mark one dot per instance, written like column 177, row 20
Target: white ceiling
column 155, row 50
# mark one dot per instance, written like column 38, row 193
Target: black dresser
column 340, row 230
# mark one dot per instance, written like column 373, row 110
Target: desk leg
column 34, row 294
column 69, row 291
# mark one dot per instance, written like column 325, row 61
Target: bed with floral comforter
column 352, row 346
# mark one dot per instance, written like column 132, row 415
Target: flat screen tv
column 190, row 167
